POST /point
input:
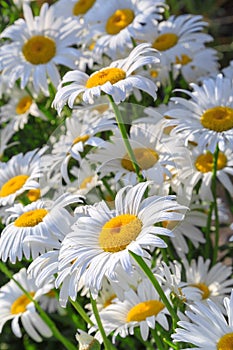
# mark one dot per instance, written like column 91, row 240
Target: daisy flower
column 18, row 109
column 207, row 116
column 38, row 45
column 141, row 308
column 121, row 21
column 20, row 174
column 152, row 155
column 206, row 327
column 93, row 249
column 117, row 80
column 201, row 169
column 214, row 282
column 17, row 307
column 40, row 218
column 177, row 33
column 73, row 8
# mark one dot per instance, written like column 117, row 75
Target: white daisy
column 18, row 109
column 176, row 33
column 201, row 169
column 73, row 8
column 207, row 116
column 121, row 21
column 206, row 327
column 152, row 155
column 214, row 282
column 20, row 174
column 17, row 307
column 94, row 250
column 41, row 218
column 117, row 80
column 141, row 308
column 38, row 45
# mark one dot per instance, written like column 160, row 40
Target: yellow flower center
column 145, row 157
column 109, row 300
column 170, row 224
column 83, row 139
column 33, row 194
column 39, row 49
column 143, row 310
column 31, row 218
column 218, row 118
column 82, row 6
column 154, row 73
column 184, row 59
column 23, row 105
column 203, row 288
column 205, row 162
column 13, row 185
column 225, row 342
column 51, row 294
column 165, row 41
column 113, row 75
column 119, row 232
column 20, row 304
column 119, row 20
column 85, row 182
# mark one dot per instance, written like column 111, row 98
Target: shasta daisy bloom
column 207, row 116
column 20, row 174
column 18, row 109
column 176, row 33
column 206, row 327
column 141, row 308
column 121, row 21
column 101, row 240
column 73, row 8
column 18, row 308
column 117, row 80
column 201, row 169
column 38, row 45
column 41, row 218
column 214, row 282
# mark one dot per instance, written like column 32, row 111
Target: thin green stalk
column 108, row 188
column 107, row 344
column 157, row 339
column 125, row 137
column 208, row 244
column 215, row 204
column 81, row 312
column 156, row 284
column 56, row 333
column 174, row 346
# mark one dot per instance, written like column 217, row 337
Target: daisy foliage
column 116, row 164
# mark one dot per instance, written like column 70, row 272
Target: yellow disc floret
column 13, row 185
column 39, row 49
column 82, row 138
column 205, row 162
column 145, row 158
column 225, row 342
column 23, row 105
column 183, row 59
column 31, row 218
column 20, row 304
column 82, row 6
column 203, row 288
column 86, row 182
column 218, row 118
column 119, row 232
column 143, row 310
column 113, row 75
column 165, row 41
column 119, row 20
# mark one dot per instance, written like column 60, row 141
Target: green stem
column 208, row 245
column 170, row 343
column 56, row 333
column 156, row 284
column 215, row 204
column 81, row 312
column 124, row 134
column 108, row 188
column 157, row 339
column 107, row 344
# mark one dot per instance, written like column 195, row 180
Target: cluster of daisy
column 116, row 215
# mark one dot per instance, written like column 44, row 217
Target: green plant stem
column 215, row 204
column 124, row 135
column 56, row 333
column 108, row 188
column 157, row 339
column 208, row 244
column 156, row 284
column 81, row 312
column 107, row 344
